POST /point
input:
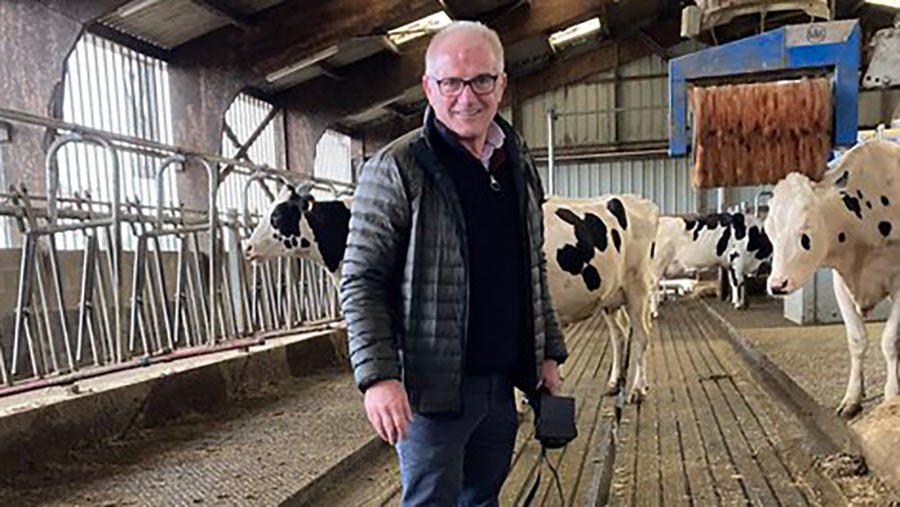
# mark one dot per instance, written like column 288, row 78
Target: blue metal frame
column 832, row 44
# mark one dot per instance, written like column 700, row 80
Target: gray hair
column 467, row 27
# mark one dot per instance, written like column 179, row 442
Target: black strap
column 537, row 480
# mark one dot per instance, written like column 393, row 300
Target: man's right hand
column 387, row 408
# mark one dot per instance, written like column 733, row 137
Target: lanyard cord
column 537, row 481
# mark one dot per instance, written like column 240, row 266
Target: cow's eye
column 805, row 242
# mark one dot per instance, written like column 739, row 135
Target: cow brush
column 752, row 134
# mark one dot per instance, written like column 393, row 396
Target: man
column 444, row 283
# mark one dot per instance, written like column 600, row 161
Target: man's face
column 468, row 114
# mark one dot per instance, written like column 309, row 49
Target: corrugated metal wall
column 664, row 181
column 586, row 129
column 587, row 110
column 646, row 101
column 588, row 119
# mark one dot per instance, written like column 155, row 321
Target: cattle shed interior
column 145, row 359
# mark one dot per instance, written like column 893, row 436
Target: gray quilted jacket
column 404, row 285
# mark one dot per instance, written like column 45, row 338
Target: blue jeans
column 461, row 460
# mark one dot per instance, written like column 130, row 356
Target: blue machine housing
column 832, row 45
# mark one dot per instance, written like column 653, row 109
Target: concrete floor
column 260, row 450
column 708, row 434
column 815, row 356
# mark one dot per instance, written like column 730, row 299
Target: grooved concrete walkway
column 707, row 434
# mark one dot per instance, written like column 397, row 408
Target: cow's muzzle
column 778, row 287
column 250, row 254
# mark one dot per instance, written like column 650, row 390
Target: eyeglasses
column 481, row 84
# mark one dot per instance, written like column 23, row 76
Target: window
column 418, row 28
column 333, row 157
column 112, row 88
column 574, row 34
column 242, row 119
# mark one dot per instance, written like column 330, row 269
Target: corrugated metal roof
column 295, row 78
column 411, row 95
column 527, row 55
column 170, row 23
column 167, row 23
column 364, row 117
column 348, row 52
column 359, row 48
column 251, row 6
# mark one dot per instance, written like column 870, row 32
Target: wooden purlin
column 752, row 134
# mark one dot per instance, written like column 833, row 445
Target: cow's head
column 796, row 227
column 284, row 229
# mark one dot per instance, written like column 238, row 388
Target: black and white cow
column 849, row 222
column 599, row 254
column 296, row 225
column 734, row 241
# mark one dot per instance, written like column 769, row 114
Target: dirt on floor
column 259, row 450
column 815, row 356
column 817, row 359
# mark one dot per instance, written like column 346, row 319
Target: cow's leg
column 640, row 324
column 889, row 346
column 616, row 335
column 733, row 286
column 654, row 301
column 857, row 343
column 738, row 296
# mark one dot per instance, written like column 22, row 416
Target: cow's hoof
column 612, row 389
column 637, row 396
column 849, row 410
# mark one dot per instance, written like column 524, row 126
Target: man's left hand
column 550, row 376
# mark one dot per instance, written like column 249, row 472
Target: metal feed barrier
column 199, row 296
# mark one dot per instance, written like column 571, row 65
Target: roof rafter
column 365, row 82
column 226, row 11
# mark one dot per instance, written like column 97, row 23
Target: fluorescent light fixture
column 887, row 3
column 302, row 64
column 135, row 7
column 418, row 28
column 575, row 33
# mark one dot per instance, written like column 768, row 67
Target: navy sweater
column 496, row 255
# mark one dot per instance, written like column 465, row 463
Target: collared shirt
column 492, row 143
